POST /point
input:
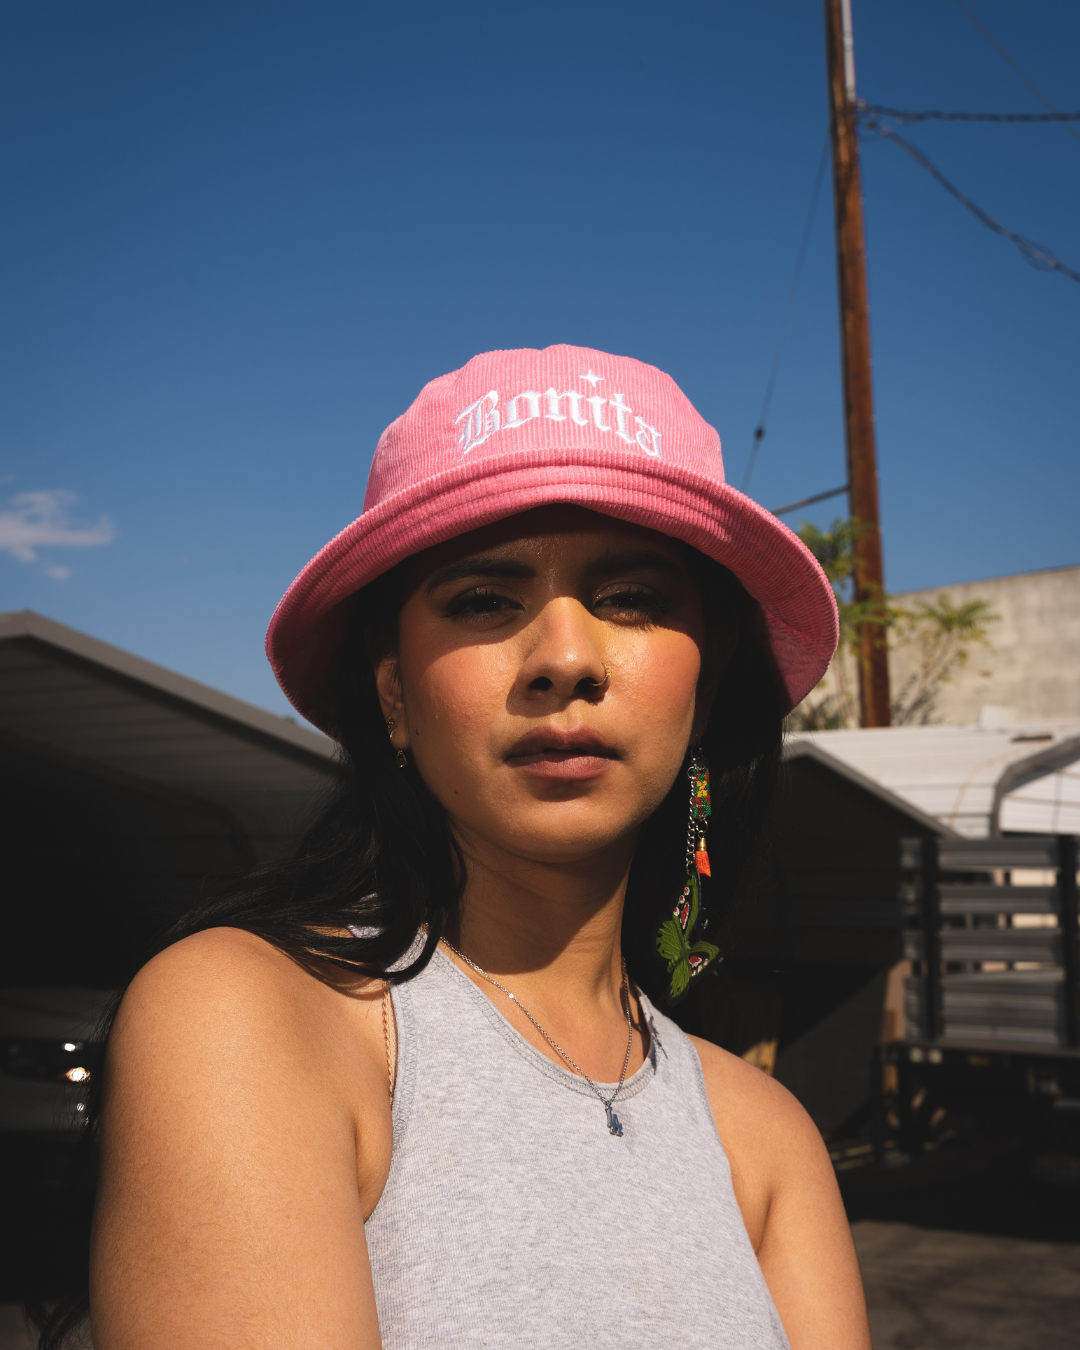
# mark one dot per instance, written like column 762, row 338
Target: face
column 551, row 672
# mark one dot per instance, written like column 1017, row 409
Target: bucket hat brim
column 797, row 607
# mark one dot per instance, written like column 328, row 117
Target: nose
column 566, row 654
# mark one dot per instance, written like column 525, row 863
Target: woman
column 403, row 1091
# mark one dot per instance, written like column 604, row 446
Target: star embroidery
column 593, row 379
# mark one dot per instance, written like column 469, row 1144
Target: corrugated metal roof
column 75, row 697
column 976, row 780
column 1045, row 797
column 798, row 747
column 1049, row 805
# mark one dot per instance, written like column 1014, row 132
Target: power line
column 809, row 501
column 903, row 115
column 1017, row 67
column 1036, row 254
column 759, row 430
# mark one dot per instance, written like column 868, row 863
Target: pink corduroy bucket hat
column 514, row 430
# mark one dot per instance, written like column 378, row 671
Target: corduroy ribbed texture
column 514, row 430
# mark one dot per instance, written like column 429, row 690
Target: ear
column 719, row 650
column 391, row 699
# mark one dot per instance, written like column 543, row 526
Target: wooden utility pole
column 874, row 700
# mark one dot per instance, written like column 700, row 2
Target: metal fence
column 991, row 931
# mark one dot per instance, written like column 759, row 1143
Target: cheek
column 456, row 697
column 663, row 665
column 656, row 693
column 463, row 714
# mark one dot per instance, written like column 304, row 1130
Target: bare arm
column 240, row 1093
column 791, row 1204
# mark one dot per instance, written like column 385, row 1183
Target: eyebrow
column 637, row 560
column 507, row 569
column 504, row 569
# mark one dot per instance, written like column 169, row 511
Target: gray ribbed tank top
column 511, row 1217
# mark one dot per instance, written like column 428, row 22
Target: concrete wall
column 1034, row 663
column 1030, row 671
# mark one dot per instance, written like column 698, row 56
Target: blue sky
column 239, row 237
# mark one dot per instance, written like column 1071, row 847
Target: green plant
column 940, row 636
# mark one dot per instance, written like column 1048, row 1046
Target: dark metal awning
column 109, row 715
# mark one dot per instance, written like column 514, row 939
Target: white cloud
column 36, row 520
column 58, row 573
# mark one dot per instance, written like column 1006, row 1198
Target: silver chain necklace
column 614, row 1124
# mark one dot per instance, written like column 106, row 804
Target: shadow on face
column 550, row 672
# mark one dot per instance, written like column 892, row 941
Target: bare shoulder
column 771, row 1142
column 790, row 1203
column 245, row 1136
column 222, row 1021
column 219, row 961
column 756, row 1112
column 216, row 983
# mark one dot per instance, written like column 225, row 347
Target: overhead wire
column 904, row 115
column 1036, row 254
column 869, row 114
column 800, row 259
column 810, row 501
column 977, row 23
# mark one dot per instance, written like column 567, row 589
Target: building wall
column 808, row 948
column 1033, row 665
column 1031, row 669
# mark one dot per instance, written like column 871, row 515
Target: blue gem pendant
column 614, row 1124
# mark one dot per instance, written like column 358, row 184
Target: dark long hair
column 380, row 858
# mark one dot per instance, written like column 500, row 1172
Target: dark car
column 48, row 1057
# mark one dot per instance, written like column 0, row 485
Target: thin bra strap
column 389, row 1026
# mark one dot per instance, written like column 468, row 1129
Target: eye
column 480, row 602
column 632, row 601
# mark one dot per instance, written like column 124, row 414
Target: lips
column 549, row 752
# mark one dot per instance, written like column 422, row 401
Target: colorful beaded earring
column 686, row 959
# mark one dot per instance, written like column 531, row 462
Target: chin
column 560, row 835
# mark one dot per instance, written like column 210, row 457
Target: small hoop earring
column 598, row 685
column 402, row 762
